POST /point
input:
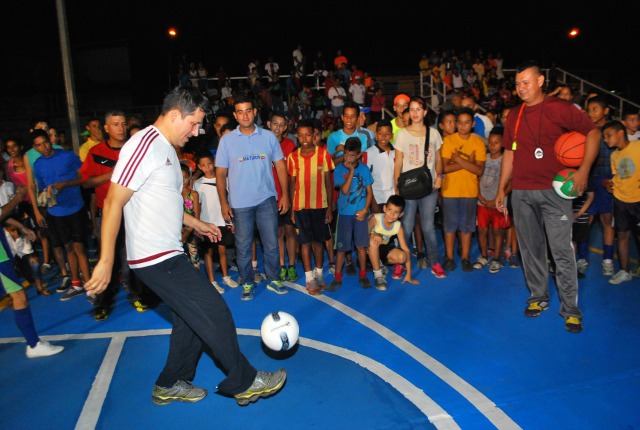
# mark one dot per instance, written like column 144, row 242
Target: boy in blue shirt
column 353, row 179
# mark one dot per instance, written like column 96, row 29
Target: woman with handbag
column 418, row 179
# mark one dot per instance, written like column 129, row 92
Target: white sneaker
column 620, row 277
column 582, row 265
column 607, row 267
column 43, row 349
column 217, row 287
column 229, row 282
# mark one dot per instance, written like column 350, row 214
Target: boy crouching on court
column 383, row 228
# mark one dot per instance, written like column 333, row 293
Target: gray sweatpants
column 541, row 218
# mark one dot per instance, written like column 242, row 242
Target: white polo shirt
column 149, row 166
column 381, row 165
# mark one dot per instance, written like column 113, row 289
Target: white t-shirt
column 358, row 92
column 153, row 216
column 333, row 92
column 210, row 211
column 7, row 191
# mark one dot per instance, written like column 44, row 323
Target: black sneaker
column 64, row 285
column 334, row 285
column 182, row 391
column 449, row 265
column 100, row 314
column 365, row 283
column 264, row 385
column 466, row 265
column 350, row 268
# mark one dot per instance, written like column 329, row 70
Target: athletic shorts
column 227, row 240
column 70, row 228
column 311, row 225
column 491, row 216
column 284, row 219
column 385, row 250
column 626, row 216
column 459, row 214
column 350, row 232
column 602, row 199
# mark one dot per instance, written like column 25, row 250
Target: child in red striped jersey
column 310, row 169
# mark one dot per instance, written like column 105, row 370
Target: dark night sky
column 382, row 41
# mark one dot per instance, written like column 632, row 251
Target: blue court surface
column 448, row 353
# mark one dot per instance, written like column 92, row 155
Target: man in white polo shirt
column 147, row 184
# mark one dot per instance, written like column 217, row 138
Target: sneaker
column 139, row 305
column 71, row 293
column 490, row 252
column 507, row 253
column 217, row 287
column 398, row 270
column 573, row 325
column 292, row 275
column 265, row 385
column 283, row 274
column 319, row 279
column 582, row 265
column 229, row 282
column 332, row 269
column 277, row 287
column 535, row 309
column 466, row 265
column 385, row 270
column 449, row 265
column 100, row 314
column 247, row 292
column 620, row 277
column 364, row 283
column 257, row 276
column 64, row 285
column 45, row 269
column 494, row 267
column 380, row 283
column 312, row 288
column 43, row 349
column 334, row 285
column 438, row 271
column 350, row 268
column 482, row 261
column 636, row 272
column 514, row 261
column 182, row 391
column 607, row 267
column 423, row 263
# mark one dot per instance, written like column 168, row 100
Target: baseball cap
column 401, row 97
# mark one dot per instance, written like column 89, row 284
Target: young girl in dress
column 192, row 207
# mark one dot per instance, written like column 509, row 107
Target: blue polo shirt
column 60, row 167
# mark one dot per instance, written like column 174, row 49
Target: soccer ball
column 564, row 189
column 279, row 331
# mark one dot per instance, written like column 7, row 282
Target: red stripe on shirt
column 138, row 155
column 151, row 257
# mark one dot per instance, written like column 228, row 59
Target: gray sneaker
column 494, row 267
column 247, row 292
column 422, row 263
column 332, row 269
column 620, row 277
column 257, row 276
column 482, row 261
column 182, row 391
column 582, row 265
column 264, row 385
column 71, row 293
column 380, row 283
column 607, row 267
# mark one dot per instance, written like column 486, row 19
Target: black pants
column 200, row 317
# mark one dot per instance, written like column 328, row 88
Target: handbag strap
column 426, row 148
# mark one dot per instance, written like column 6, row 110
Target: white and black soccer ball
column 279, row 331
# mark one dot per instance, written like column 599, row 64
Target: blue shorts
column 350, row 232
column 459, row 214
column 602, row 199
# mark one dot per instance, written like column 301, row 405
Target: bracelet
column 441, row 175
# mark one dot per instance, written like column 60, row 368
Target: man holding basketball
column 531, row 131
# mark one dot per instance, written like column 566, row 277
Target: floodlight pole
column 68, row 74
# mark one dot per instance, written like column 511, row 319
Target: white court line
column 482, row 403
column 93, row 405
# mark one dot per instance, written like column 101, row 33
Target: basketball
column 564, row 190
column 279, row 331
column 569, row 148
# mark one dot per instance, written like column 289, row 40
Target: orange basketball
column 569, row 148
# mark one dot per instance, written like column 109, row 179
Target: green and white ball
column 563, row 189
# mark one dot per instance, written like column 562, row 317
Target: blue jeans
column 265, row 215
column 427, row 207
